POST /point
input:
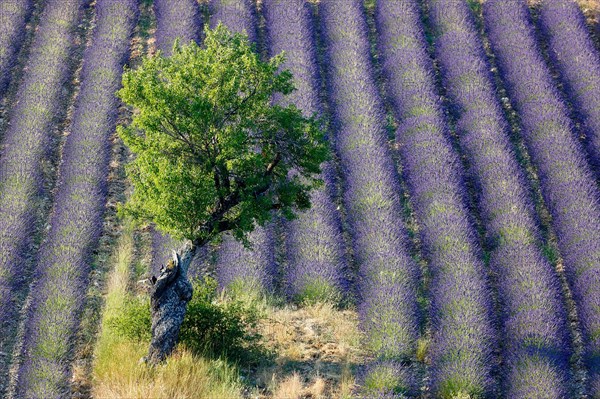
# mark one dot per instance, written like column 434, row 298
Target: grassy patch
column 124, row 339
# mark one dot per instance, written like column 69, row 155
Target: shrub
column 133, row 320
column 219, row 327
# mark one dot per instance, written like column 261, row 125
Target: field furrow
column 463, row 337
column 13, row 16
column 567, row 183
column 572, row 51
column 314, row 246
column 535, row 346
column 76, row 223
column 388, row 308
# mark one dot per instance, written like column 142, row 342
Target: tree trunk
column 169, row 297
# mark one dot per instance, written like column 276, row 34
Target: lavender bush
column 535, row 347
column 13, row 16
column 252, row 269
column 176, row 19
column 463, row 337
column 567, row 183
column 76, row 222
column 25, row 144
column 388, row 276
column 573, row 53
column 314, row 246
column 237, row 15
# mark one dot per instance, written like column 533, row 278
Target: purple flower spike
column 237, row 15
column 13, row 16
column 26, row 142
column 176, row 19
column 234, row 262
column 535, row 347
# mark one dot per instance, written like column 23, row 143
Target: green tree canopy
column 212, row 151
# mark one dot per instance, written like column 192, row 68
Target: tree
column 213, row 154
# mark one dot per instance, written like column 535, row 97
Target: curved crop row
column 25, row 144
column 314, row 244
column 567, row 184
column 176, row 19
column 463, row 337
column 388, row 276
column 76, row 222
column 573, row 52
column 235, row 264
column 13, row 16
column 535, row 346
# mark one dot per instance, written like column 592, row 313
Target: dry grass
column 315, row 351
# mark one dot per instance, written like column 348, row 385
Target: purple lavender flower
column 176, row 19
column 237, row 15
column 234, row 262
column 573, row 53
column 534, row 319
column 567, row 183
column 13, row 16
column 248, row 269
column 26, row 143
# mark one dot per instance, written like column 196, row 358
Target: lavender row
column 574, row 54
column 463, row 337
column 76, row 222
column 13, row 17
column 388, row 276
column 235, row 264
column 313, row 245
column 176, row 19
column 237, row 15
column 567, row 183
column 247, row 269
column 25, row 144
column 535, row 347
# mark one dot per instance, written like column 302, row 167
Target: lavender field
column 457, row 229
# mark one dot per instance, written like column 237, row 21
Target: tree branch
column 216, row 220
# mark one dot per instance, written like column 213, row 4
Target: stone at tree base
column 169, row 298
